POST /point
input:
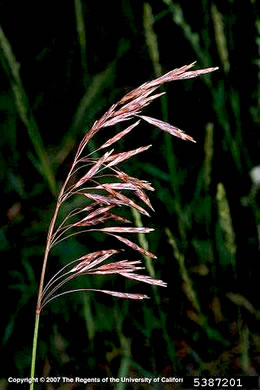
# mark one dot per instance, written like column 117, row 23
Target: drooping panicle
column 103, row 186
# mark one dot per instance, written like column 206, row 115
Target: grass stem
column 34, row 348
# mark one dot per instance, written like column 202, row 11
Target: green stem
column 38, row 306
column 34, row 348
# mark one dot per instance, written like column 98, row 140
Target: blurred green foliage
column 62, row 65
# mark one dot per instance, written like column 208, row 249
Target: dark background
column 62, row 65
